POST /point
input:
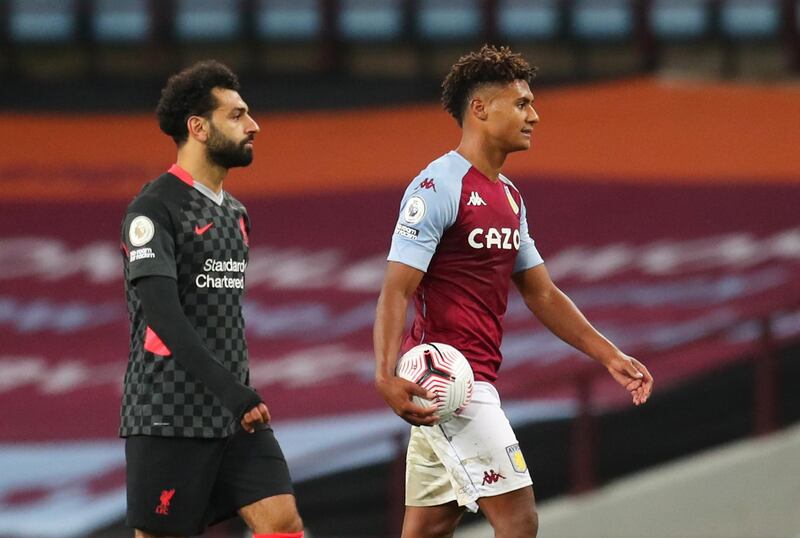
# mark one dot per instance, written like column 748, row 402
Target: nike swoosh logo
column 200, row 231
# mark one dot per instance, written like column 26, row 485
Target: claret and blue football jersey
column 469, row 234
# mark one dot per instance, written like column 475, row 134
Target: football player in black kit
column 199, row 448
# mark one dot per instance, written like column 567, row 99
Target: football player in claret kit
column 461, row 238
column 198, row 447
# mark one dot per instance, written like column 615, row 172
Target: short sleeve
column 429, row 207
column 149, row 241
column 528, row 256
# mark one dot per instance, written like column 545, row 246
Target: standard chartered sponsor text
column 228, row 266
column 205, row 280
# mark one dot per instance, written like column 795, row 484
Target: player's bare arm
column 560, row 315
column 399, row 285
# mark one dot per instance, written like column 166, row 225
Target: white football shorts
column 474, row 455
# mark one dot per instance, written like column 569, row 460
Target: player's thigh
column 428, row 482
column 431, row 521
column 254, row 481
column 170, row 483
column 512, row 514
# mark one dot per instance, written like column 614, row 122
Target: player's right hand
column 257, row 415
column 398, row 392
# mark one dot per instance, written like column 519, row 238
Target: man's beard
column 226, row 153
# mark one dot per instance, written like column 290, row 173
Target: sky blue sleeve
column 429, row 207
column 527, row 256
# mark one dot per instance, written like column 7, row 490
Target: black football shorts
column 180, row 486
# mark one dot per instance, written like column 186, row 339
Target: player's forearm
column 159, row 299
column 559, row 314
column 390, row 319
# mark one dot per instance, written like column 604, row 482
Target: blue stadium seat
column 288, row 20
column 121, row 21
column 679, row 20
column 370, row 20
column 602, row 20
column 42, row 21
column 446, row 20
column 751, row 19
column 208, row 20
column 528, row 19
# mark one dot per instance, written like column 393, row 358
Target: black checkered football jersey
column 171, row 229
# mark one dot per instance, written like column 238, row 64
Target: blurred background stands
column 397, row 48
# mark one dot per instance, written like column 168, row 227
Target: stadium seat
column 288, row 20
column 751, row 19
column 208, row 20
column 370, row 20
column 528, row 19
column 449, row 20
column 680, row 20
column 121, row 21
column 43, row 21
column 606, row 20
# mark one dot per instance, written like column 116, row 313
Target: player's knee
column 522, row 524
column 276, row 514
column 281, row 524
column 297, row 524
column 443, row 528
column 430, row 529
column 289, row 523
column 534, row 524
column 141, row 534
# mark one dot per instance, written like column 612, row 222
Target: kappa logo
column 475, row 199
column 200, row 230
column 166, row 497
column 427, row 183
column 490, row 477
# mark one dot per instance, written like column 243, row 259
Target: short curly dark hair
column 489, row 65
column 188, row 93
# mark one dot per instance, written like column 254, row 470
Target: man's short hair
column 489, row 65
column 188, row 93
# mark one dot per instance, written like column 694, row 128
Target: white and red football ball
column 443, row 370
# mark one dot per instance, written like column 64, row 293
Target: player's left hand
column 257, row 415
column 633, row 375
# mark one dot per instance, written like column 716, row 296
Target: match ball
column 443, row 370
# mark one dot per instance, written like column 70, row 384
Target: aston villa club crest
column 517, row 459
